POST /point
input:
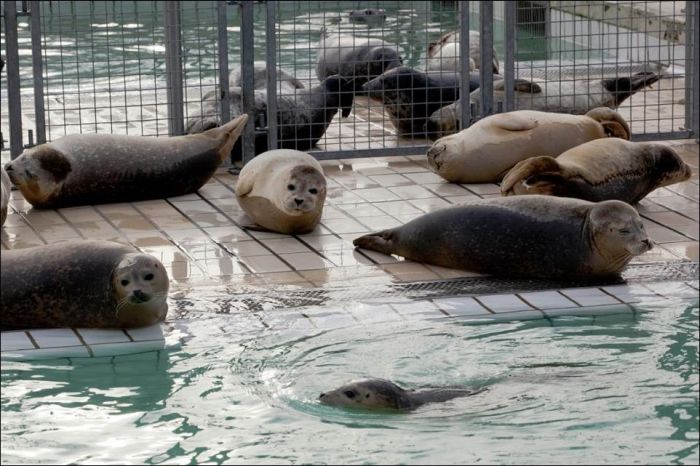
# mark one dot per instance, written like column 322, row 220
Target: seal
column 286, row 82
column 485, row 151
column 384, row 394
column 5, row 200
column 523, row 236
column 444, row 53
column 84, row 169
column 302, row 116
column 360, row 59
column 283, row 190
column 599, row 170
column 95, row 284
column 410, row 96
column 573, row 97
column 370, row 16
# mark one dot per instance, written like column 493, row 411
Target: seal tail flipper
column 380, row 242
column 622, row 88
column 613, row 123
column 525, row 169
column 229, row 134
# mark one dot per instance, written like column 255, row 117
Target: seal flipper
column 382, row 241
column 228, row 134
column 526, row 169
column 512, row 122
column 613, row 123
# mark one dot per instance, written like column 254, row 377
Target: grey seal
column 523, row 236
column 384, row 394
column 599, row 170
column 283, row 190
column 286, row 82
column 97, row 284
column 5, row 200
column 444, row 53
column 85, row 169
column 372, row 17
column 410, row 96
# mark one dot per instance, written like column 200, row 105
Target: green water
column 617, row 389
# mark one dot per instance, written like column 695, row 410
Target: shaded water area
column 613, row 389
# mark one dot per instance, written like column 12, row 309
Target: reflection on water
column 239, row 392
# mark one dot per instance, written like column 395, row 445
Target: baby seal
column 523, row 236
column 5, row 200
column 85, row 169
column 283, row 190
column 97, row 284
column 599, row 170
column 485, row 151
column 383, row 394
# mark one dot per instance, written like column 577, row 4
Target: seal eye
column 148, row 277
column 624, row 231
column 313, row 191
column 349, row 393
column 125, row 282
column 291, row 187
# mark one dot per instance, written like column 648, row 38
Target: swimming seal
column 302, row 116
column 485, row 151
column 85, row 169
column 370, row 16
column 384, row 394
column 522, row 236
column 573, row 97
column 410, row 96
column 599, row 170
column 283, row 190
column 356, row 58
column 5, row 200
column 97, row 284
column 444, row 53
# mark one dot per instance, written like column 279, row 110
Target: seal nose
column 321, row 395
column 8, row 167
column 648, row 243
column 140, row 295
column 298, row 201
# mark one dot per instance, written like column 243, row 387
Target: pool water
column 614, row 389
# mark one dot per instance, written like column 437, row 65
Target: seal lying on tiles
column 97, row 284
column 523, row 236
column 574, row 97
column 444, row 54
column 383, row 394
column 302, row 116
column 485, row 151
column 410, row 96
column 356, row 58
column 599, row 170
column 85, row 169
column 5, row 200
column 283, row 190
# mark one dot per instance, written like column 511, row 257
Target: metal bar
column 486, row 65
column 38, row 69
column 662, row 136
column 465, row 108
column 173, row 67
column 692, row 22
column 223, row 61
column 509, row 59
column 14, row 102
column 271, row 59
column 359, row 153
column 247, row 77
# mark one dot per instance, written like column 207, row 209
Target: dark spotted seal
column 302, row 117
column 410, row 96
column 573, row 97
column 599, row 170
column 523, row 236
column 84, row 169
column 97, row 284
column 283, row 191
column 485, row 151
column 383, row 394
column 356, row 58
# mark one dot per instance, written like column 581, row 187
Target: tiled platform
column 200, row 240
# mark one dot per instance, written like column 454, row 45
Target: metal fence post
column 223, row 60
column 692, row 39
column 486, row 65
column 14, row 102
column 173, row 67
column 509, row 59
column 247, row 78
column 271, row 45
column 38, row 69
column 465, row 107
